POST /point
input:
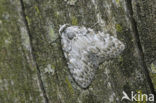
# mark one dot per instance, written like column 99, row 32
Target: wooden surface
column 32, row 65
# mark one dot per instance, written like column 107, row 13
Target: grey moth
column 85, row 50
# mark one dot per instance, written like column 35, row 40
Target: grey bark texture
column 32, row 65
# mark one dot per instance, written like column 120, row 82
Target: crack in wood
column 138, row 45
column 41, row 84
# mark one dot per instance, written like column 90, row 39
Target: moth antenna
column 62, row 28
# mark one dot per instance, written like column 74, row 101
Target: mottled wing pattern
column 85, row 50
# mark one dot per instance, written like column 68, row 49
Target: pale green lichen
column 117, row 1
column 74, row 20
column 37, row 11
column 69, row 86
column 8, row 40
column 49, row 69
column 120, row 58
column 118, row 27
column 71, row 2
column 138, row 97
column 153, row 68
column 52, row 35
column 53, row 67
column 153, row 77
column 1, row 22
column 56, row 14
column 153, row 73
column 28, row 20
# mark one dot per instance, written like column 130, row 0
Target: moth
column 85, row 49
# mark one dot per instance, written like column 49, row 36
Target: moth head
column 62, row 28
column 67, row 31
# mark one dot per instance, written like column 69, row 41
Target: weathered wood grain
column 32, row 65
